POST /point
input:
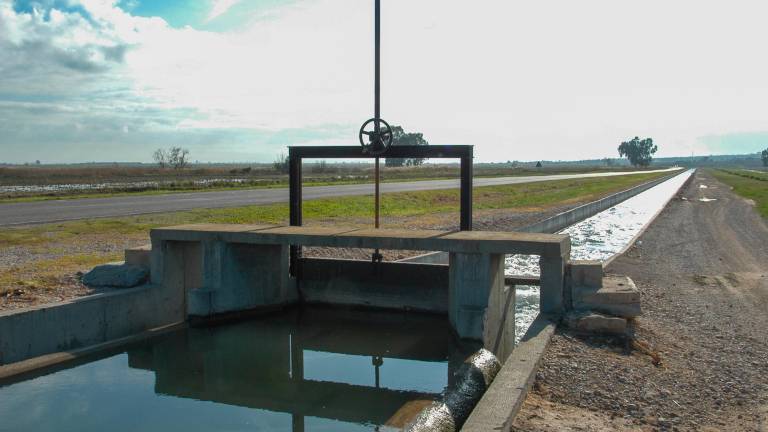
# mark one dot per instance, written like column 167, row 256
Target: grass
column 128, row 180
column 53, row 239
column 45, row 274
column 402, row 204
column 748, row 184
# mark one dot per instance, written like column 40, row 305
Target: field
column 32, row 183
column 37, row 261
column 749, row 184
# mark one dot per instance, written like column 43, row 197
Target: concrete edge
column 15, row 372
column 575, row 215
column 504, row 398
column 84, row 299
column 632, row 241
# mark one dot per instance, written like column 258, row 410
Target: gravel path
column 702, row 269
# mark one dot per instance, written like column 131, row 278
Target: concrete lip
column 428, row 240
column 399, row 233
column 199, row 232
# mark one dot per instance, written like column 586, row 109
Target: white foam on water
column 596, row 238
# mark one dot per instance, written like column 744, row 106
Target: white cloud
column 519, row 80
column 220, row 7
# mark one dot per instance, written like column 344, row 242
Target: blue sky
column 238, row 80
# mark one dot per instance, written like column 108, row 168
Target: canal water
column 597, row 238
column 310, row 369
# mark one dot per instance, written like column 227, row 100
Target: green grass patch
column 749, row 187
column 340, row 210
column 45, row 274
column 179, row 182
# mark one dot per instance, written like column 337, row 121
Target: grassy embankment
column 57, row 239
column 749, row 184
column 138, row 180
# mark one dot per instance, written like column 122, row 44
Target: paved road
column 63, row 210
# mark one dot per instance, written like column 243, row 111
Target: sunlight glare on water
column 596, row 238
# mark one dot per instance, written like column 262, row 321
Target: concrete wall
column 578, row 214
column 86, row 321
column 422, row 287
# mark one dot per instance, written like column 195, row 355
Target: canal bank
column 701, row 270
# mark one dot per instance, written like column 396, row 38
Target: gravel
column 702, row 269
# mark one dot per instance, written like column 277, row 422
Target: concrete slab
column 198, row 232
column 506, row 242
column 298, row 235
column 138, row 256
column 618, row 296
column 504, row 398
column 555, row 245
column 391, row 238
column 586, row 273
column 396, row 233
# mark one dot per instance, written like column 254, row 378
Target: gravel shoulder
column 702, row 269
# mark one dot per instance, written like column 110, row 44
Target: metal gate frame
column 297, row 153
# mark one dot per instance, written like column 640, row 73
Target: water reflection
column 305, row 370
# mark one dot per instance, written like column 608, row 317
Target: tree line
column 174, row 157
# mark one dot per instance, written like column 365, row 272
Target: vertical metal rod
column 466, row 193
column 376, row 99
column 377, row 199
column 377, row 77
column 377, row 109
column 294, row 202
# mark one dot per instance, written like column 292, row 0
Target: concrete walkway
column 64, row 210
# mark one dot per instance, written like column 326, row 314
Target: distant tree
column 178, row 157
column 37, row 162
column 400, row 137
column 538, row 164
column 608, row 161
column 161, row 157
column 281, row 164
column 764, row 156
column 320, row 167
column 639, row 152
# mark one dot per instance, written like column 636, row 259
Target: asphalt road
column 126, row 205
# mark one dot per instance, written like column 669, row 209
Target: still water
column 310, row 369
column 597, row 238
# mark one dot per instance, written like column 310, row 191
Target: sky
column 239, row 80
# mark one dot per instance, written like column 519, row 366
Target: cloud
column 517, row 80
column 220, row 7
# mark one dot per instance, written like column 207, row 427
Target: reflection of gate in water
column 314, row 363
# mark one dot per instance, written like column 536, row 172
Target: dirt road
column 702, row 269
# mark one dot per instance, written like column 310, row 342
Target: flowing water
column 311, row 369
column 597, row 238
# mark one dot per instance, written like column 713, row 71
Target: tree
column 538, row 164
column 400, row 137
column 639, row 152
column 764, row 155
column 281, row 164
column 178, row 157
column 161, row 157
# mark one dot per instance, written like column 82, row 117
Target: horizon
column 332, row 161
column 233, row 80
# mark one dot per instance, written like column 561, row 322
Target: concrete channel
column 214, row 271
